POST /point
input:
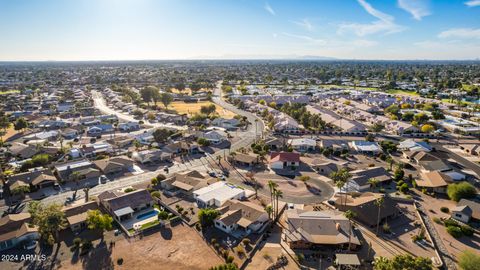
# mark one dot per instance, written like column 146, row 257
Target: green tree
column 463, row 190
column 227, row 266
column 166, row 99
column 272, row 186
column 20, row 124
column 406, row 262
column 468, row 260
column 161, row 135
column 207, row 216
column 50, row 219
column 427, row 128
column 269, row 210
column 98, row 221
column 278, row 194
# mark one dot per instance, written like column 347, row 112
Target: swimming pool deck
column 135, row 223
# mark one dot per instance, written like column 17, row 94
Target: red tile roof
column 285, row 156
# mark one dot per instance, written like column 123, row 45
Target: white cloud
column 418, row 8
column 306, row 38
column 464, row 33
column 386, row 23
column 473, row 3
column 269, row 9
column 304, row 23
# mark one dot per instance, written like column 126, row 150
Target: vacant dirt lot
column 192, row 108
column 178, row 248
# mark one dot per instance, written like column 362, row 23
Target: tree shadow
column 98, row 258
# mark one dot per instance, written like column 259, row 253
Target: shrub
column 246, row 241
column 154, row 181
column 469, row 260
column 460, row 191
column 120, row 261
column 213, row 241
column 240, row 251
column 454, row 231
column 300, row 257
column 156, row 194
column 386, row 228
column 161, row 177
column 450, row 222
column 437, row 220
column 404, row 188
column 77, row 242
column 267, row 256
column 127, row 190
column 229, row 259
column 198, row 226
column 163, row 215
column 444, row 209
column 467, row 230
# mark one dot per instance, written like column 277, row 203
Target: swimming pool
column 148, row 214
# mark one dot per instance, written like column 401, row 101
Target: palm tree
column 390, row 162
column 272, row 186
column 278, row 194
column 378, row 202
column 75, row 177
column 269, row 210
column 373, row 183
column 340, row 184
column 350, row 215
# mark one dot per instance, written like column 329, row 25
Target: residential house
column 471, row 149
column 240, row 159
column 96, row 149
column 185, row 183
column 360, row 178
column 23, row 151
column 303, row 144
column 316, row 229
column 434, row 181
column 284, row 160
column 122, row 206
column 15, row 230
column 214, row 136
column 462, row 213
column 322, row 165
column 217, row 194
column 366, row 147
column 114, row 165
column 35, row 179
column 129, row 126
column 474, row 206
column 99, row 129
column 151, row 156
column 182, row 147
column 411, row 145
column 69, row 133
column 228, row 124
column 241, row 218
column 83, row 168
column 76, row 214
column 365, row 208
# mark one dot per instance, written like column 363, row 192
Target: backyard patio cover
column 123, row 211
column 347, row 259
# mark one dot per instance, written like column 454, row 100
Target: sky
column 62, row 30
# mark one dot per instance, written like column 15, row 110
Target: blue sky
column 186, row 29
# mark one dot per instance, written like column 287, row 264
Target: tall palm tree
column 340, row 184
column 390, row 162
column 269, row 210
column 278, row 194
column 350, row 215
column 378, row 202
column 272, row 186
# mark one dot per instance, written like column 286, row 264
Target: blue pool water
column 148, row 214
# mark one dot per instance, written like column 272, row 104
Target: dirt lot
column 192, row 108
column 179, row 247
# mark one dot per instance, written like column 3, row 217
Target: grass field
column 343, row 86
column 192, row 108
column 402, row 92
column 9, row 92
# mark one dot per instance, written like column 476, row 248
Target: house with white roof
column 303, row 144
column 366, row 147
column 217, row 194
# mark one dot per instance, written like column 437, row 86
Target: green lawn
column 343, row 86
column 9, row 92
column 402, row 92
column 149, row 224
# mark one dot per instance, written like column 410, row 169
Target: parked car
column 103, row 179
column 30, row 245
